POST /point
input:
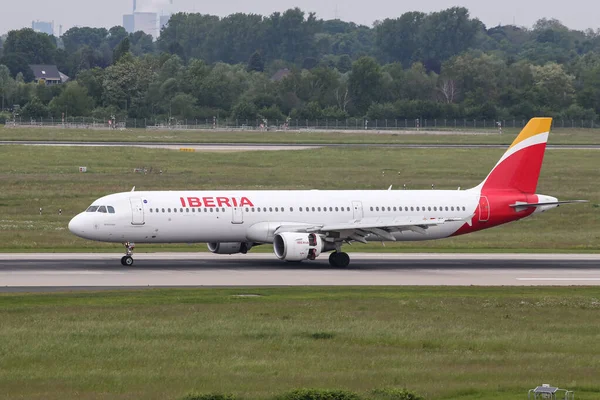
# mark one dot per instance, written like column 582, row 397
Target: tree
column 344, row 63
column 121, row 49
column 34, row 109
column 141, row 43
column 255, row 63
column 553, row 87
column 116, row 34
column 92, row 80
column 7, row 86
column 73, row 101
column 17, row 64
column 126, row 85
column 400, row 39
column 243, row 111
column 183, row 105
column 35, row 48
column 76, row 37
column 476, row 76
column 365, row 83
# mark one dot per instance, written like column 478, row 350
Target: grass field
column 444, row 343
column 32, row 177
column 559, row 136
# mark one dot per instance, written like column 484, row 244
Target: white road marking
column 559, row 279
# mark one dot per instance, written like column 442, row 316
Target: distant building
column 164, row 20
column 43, row 27
column 48, row 74
column 128, row 23
column 146, row 22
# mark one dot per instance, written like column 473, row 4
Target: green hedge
column 321, row 394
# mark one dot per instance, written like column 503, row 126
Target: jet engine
column 297, row 246
column 229, row 247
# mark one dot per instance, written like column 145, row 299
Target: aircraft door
column 237, row 216
column 357, row 209
column 484, row 209
column 137, row 211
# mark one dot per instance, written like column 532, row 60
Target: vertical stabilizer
column 519, row 168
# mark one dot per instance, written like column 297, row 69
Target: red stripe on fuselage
column 500, row 210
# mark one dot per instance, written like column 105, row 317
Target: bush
column 394, row 394
column 319, row 394
column 5, row 116
column 208, row 396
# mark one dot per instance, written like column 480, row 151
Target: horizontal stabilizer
column 519, row 204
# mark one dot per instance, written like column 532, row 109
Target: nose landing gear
column 127, row 260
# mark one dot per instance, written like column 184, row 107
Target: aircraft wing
column 383, row 228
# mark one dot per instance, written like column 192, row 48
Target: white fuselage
column 240, row 216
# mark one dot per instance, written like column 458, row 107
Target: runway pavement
column 282, row 146
column 51, row 272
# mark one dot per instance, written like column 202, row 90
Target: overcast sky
column 576, row 14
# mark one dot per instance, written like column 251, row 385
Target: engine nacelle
column 297, row 246
column 229, row 247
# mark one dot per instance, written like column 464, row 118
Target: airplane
column 303, row 224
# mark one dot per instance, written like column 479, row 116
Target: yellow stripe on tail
column 535, row 126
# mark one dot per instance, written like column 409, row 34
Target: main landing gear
column 127, row 260
column 339, row 259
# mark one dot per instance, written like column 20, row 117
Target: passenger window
column 247, row 209
column 216, row 210
column 428, row 208
column 271, row 209
column 252, row 209
column 376, row 208
column 434, row 208
column 150, row 210
column 292, row 209
column 111, row 209
column 102, row 209
column 389, row 208
column 319, row 209
column 174, row 210
column 394, row 208
column 264, row 209
column 417, row 208
column 313, row 209
column 211, row 210
column 464, row 208
column 330, row 208
column 194, row 210
column 412, row 209
column 163, row 210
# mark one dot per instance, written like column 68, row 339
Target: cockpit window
column 102, row 209
column 92, row 209
column 111, row 209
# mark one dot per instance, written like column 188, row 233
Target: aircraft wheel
column 127, row 261
column 339, row 259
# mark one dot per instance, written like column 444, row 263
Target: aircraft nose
column 77, row 225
